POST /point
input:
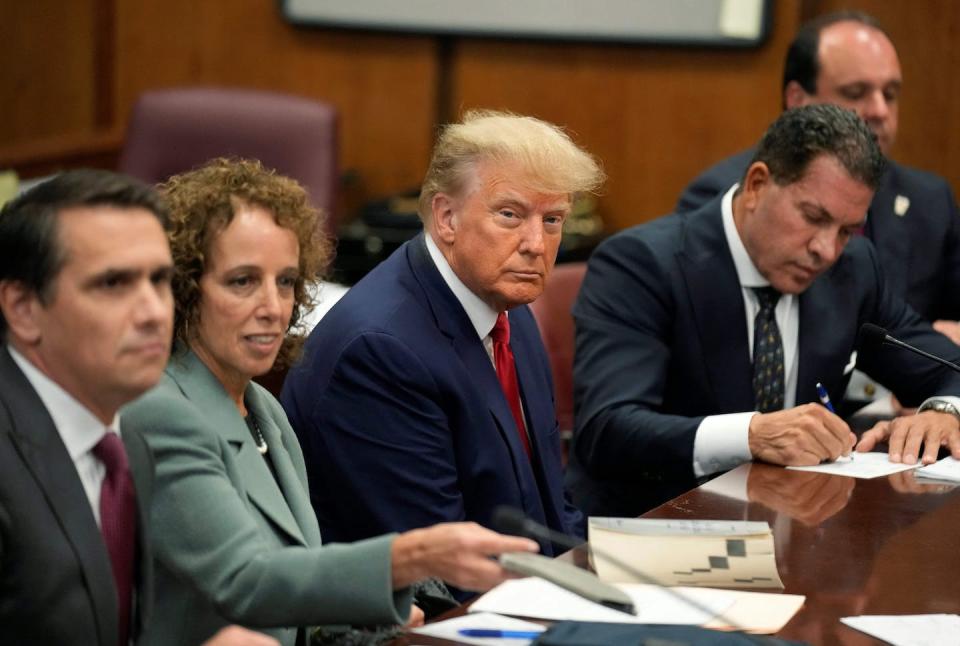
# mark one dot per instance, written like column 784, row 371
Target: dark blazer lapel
column 825, row 338
column 716, row 299
column 454, row 323
column 200, row 386
column 891, row 234
column 539, row 407
column 42, row 450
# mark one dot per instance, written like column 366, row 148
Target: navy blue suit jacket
column 661, row 342
column 919, row 250
column 401, row 417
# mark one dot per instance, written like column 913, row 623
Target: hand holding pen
column 825, row 400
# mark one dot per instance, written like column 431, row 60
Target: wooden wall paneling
column 383, row 85
column 46, row 69
column 655, row 116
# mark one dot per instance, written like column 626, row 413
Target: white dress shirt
column 482, row 316
column 721, row 442
column 79, row 428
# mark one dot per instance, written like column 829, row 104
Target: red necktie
column 118, row 523
column 507, row 374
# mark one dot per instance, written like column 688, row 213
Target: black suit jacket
column 919, row 248
column 661, row 342
column 56, row 583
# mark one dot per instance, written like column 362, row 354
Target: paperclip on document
column 570, row 577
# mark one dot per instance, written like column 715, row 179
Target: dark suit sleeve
column 949, row 302
column 713, row 181
column 910, row 377
column 624, row 320
column 701, row 190
column 385, row 440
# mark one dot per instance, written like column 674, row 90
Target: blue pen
column 508, row 634
column 825, row 400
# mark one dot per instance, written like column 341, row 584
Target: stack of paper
column 946, row 469
column 729, row 554
column 722, row 609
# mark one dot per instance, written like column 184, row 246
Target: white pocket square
column 851, row 364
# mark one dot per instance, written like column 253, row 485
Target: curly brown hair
column 203, row 202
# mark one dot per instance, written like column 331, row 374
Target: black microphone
column 873, row 336
column 510, row 520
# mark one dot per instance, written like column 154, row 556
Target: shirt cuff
column 722, row 443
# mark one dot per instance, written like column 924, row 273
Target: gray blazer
column 232, row 543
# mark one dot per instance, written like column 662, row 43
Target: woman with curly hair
column 233, row 532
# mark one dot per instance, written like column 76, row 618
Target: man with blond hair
column 425, row 394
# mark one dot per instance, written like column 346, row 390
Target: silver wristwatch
column 940, row 406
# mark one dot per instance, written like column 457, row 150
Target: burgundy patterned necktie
column 118, row 523
column 507, row 374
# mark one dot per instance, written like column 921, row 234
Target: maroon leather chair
column 552, row 312
column 177, row 129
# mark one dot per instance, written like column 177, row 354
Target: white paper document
column 946, row 469
column 539, row 599
column 909, row 630
column 862, row 465
column 450, row 629
column 755, row 612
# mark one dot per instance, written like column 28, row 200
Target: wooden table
column 883, row 546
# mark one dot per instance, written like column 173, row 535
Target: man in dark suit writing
column 700, row 336
column 425, row 394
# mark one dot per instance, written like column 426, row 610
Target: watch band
column 939, row 406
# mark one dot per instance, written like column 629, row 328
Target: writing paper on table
column 864, row 465
column 908, row 630
column 755, row 612
column 946, row 469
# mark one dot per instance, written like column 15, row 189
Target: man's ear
column 795, row 96
column 755, row 180
column 20, row 307
column 444, row 214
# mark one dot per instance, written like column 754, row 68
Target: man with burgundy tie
column 86, row 322
column 425, row 394
column 701, row 336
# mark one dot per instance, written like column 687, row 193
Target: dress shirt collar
column 482, row 316
column 79, row 428
column 747, row 272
